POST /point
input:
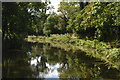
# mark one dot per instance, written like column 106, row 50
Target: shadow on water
column 43, row 61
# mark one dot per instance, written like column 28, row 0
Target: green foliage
column 93, row 48
column 102, row 17
column 47, row 29
column 51, row 27
column 93, row 21
column 22, row 19
column 87, row 20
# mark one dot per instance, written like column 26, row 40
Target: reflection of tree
column 37, row 51
column 51, row 56
column 16, row 63
column 48, row 55
column 42, row 64
column 74, row 64
column 109, row 73
column 77, row 66
column 15, row 66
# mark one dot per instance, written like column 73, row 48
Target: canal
column 37, row 60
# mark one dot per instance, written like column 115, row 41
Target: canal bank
column 94, row 48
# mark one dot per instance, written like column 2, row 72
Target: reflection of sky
column 34, row 61
column 52, row 72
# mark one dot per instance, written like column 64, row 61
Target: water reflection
column 35, row 61
column 53, row 73
column 45, row 61
column 52, row 69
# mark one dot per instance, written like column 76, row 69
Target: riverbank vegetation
column 93, row 27
column 93, row 48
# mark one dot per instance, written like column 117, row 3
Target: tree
column 99, row 20
column 51, row 25
column 20, row 19
column 69, row 10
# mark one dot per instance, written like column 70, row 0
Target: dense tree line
column 87, row 20
column 92, row 20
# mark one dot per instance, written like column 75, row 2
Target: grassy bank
column 94, row 48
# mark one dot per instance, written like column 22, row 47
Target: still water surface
column 44, row 61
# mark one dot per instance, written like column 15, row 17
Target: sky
column 55, row 4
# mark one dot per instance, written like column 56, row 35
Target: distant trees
column 91, row 19
column 51, row 27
